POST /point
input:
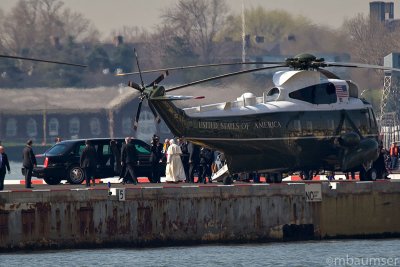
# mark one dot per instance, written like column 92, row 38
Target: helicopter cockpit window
column 272, row 94
column 324, row 93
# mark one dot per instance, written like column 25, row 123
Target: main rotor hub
column 305, row 61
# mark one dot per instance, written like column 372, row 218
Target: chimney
column 55, row 41
column 118, row 40
column 259, row 39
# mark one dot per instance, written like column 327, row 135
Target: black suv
column 61, row 162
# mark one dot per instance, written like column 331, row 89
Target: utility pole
column 243, row 35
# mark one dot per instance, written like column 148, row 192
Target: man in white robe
column 174, row 170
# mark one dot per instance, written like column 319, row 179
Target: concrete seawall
column 174, row 215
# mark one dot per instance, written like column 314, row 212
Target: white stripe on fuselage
column 217, row 110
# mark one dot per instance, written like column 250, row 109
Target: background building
column 43, row 114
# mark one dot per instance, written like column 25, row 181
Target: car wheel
column 52, row 180
column 76, row 175
column 372, row 174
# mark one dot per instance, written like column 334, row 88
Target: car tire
column 76, row 175
column 372, row 174
column 52, row 180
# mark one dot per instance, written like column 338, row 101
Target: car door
column 143, row 152
column 105, row 159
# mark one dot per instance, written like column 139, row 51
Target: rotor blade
column 136, row 123
column 175, row 97
column 154, row 111
column 158, row 80
column 134, row 85
column 359, row 65
column 222, row 76
column 138, row 66
column 42, row 60
column 328, row 74
column 200, row 66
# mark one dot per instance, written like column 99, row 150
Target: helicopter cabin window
column 272, row 94
column 324, row 93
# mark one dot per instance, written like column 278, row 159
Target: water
column 15, row 171
column 315, row 253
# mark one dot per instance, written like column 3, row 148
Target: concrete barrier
column 178, row 215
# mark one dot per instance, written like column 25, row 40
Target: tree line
column 191, row 32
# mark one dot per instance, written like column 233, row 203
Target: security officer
column 28, row 162
column 194, row 160
column 129, row 159
column 155, row 159
column 4, row 165
column 88, row 162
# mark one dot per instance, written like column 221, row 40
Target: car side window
column 79, row 148
column 106, row 149
column 141, row 149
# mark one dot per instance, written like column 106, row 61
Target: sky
column 108, row 15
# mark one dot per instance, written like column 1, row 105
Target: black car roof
column 96, row 139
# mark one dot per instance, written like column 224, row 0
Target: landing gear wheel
column 372, row 174
column 52, row 180
column 227, row 180
column 76, row 175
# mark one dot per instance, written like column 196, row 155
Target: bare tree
column 371, row 40
column 30, row 24
column 197, row 22
column 131, row 34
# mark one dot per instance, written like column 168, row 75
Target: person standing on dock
column 28, row 162
column 129, row 159
column 88, row 162
column 174, row 171
column 155, row 159
column 394, row 155
column 194, row 160
column 4, row 164
column 185, row 155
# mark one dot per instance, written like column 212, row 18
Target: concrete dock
column 170, row 215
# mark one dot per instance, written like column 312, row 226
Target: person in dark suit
column 155, row 159
column 116, row 157
column 4, row 164
column 129, row 159
column 88, row 162
column 206, row 159
column 28, row 162
column 194, row 160
column 183, row 144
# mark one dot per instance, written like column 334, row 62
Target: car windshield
column 57, row 149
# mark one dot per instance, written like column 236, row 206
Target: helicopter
column 309, row 121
